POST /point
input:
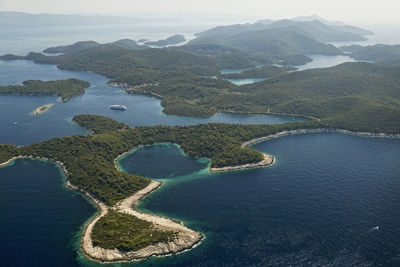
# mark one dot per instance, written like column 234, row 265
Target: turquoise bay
column 320, row 203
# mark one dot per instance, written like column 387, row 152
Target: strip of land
column 267, row 161
column 270, row 160
column 183, row 240
column 41, row 109
column 119, row 232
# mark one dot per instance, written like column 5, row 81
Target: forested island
column 360, row 96
column 89, row 162
column 66, row 89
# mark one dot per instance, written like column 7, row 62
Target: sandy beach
column 41, row 109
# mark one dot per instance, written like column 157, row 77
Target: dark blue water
column 142, row 110
column 170, row 160
column 39, row 218
column 317, row 205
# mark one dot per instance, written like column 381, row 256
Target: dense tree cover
column 124, row 232
column 63, row 88
column 127, row 65
column 342, row 95
column 173, row 40
column 225, row 57
column 71, row 48
column 98, row 124
column 380, row 53
column 7, row 152
column 89, row 159
column 345, row 95
column 276, row 45
column 260, row 72
column 188, row 94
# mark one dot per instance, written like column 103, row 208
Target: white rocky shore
column 268, row 160
column 319, row 130
column 185, row 238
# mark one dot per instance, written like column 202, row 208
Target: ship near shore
column 118, row 107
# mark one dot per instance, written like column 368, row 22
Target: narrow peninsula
column 89, row 164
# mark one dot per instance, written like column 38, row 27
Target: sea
column 330, row 199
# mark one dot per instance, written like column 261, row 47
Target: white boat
column 118, row 107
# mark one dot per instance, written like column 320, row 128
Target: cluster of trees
column 364, row 96
column 354, row 96
column 7, row 152
column 63, row 88
column 89, row 160
column 380, row 53
column 122, row 64
column 124, row 232
column 98, row 124
column 261, row 72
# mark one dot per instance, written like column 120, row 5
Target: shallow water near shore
column 321, row 202
column 39, row 218
column 20, row 128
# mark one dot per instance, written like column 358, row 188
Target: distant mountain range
column 314, row 27
column 282, row 41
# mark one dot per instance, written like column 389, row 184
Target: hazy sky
column 360, row 11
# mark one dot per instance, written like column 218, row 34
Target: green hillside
column 63, row 88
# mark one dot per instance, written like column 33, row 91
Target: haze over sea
column 320, row 203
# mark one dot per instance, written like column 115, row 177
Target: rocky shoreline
column 271, row 113
column 318, row 130
column 41, row 109
column 184, row 240
column 267, row 161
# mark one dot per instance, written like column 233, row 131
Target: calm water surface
column 319, row 204
column 19, row 127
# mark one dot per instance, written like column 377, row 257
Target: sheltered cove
column 186, row 238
